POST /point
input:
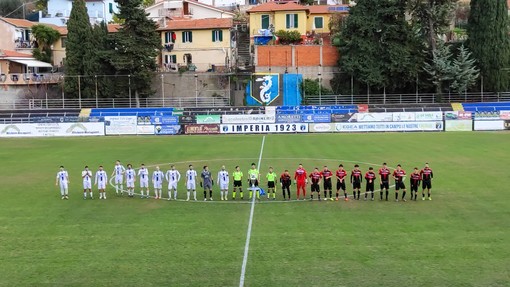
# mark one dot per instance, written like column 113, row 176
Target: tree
column 45, row 36
column 377, row 46
column 465, row 72
column 431, row 19
column 488, row 41
column 78, row 51
column 103, row 70
column 136, row 46
column 11, row 8
column 440, row 69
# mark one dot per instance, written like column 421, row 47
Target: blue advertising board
column 164, row 120
column 167, row 129
column 316, row 118
column 288, row 118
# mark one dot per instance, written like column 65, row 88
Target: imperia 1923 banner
column 263, row 128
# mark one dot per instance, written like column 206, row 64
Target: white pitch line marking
column 250, row 223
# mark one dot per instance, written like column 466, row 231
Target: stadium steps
column 457, row 107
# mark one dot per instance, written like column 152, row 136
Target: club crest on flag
column 265, row 87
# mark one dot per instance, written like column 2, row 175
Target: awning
column 33, row 63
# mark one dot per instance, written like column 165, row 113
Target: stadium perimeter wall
column 273, row 120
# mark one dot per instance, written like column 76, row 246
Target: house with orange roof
column 18, row 69
column 58, row 11
column 189, row 9
column 197, row 44
column 16, row 35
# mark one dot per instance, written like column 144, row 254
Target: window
column 110, row 8
column 318, row 22
column 264, row 21
column 170, row 59
column 63, row 42
column 187, row 37
column 170, row 37
column 217, row 36
column 291, row 21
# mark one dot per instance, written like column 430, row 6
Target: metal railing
column 35, row 104
column 405, row 98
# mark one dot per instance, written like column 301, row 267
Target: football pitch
column 460, row 238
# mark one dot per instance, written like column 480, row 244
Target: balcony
column 21, row 45
column 30, row 79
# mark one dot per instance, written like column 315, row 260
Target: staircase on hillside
column 243, row 54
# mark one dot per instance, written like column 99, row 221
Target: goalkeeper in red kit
column 300, row 180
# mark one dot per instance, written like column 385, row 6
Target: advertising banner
column 504, row 115
column 322, row 128
column 187, row 119
column 143, row 120
column 201, row 129
column 316, row 118
column 52, row 130
column 288, row 118
column 263, row 128
column 404, row 117
column 208, row 119
column 164, row 120
column 458, row 125
column 145, row 130
column 487, row 115
column 246, row 119
column 389, row 127
column 429, row 116
column 457, row 115
column 343, row 118
column 120, row 125
column 375, row 117
column 488, row 125
column 167, row 129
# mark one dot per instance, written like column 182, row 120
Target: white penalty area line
column 250, row 223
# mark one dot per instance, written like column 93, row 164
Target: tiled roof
column 198, row 24
column 272, row 6
column 112, row 28
column 20, row 23
column 14, row 54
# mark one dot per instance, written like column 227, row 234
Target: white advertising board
column 389, row 127
column 428, row 116
column 263, row 128
column 145, row 130
column 322, row 128
column 248, row 119
column 489, row 125
column 404, row 117
column 120, row 125
column 375, row 117
column 458, row 125
column 52, row 130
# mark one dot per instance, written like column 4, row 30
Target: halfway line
column 250, row 222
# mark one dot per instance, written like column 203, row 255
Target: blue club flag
column 262, row 192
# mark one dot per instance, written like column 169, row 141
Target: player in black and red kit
column 356, row 179
column 285, row 182
column 341, row 174
column 315, row 177
column 328, row 186
column 399, row 175
column 427, row 176
column 370, row 177
column 415, row 183
column 384, row 180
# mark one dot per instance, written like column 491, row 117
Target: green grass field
column 460, row 238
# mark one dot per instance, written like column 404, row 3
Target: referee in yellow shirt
column 237, row 175
column 271, row 183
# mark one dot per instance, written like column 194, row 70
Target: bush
column 288, row 37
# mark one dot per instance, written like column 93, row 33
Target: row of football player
column 172, row 176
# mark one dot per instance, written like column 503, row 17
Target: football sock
column 251, row 194
column 205, row 194
column 345, row 194
column 210, row 193
column 175, row 194
column 354, row 195
column 274, row 195
column 188, row 194
column 337, row 194
column 84, row 194
column 226, row 194
column 325, row 193
column 381, row 193
column 90, row 194
column 241, row 194
column 387, row 193
column 372, row 194
column 297, row 193
column 121, row 188
column 304, row 192
column 396, row 195
column 169, row 194
column 429, row 194
column 319, row 195
column 404, row 194
column 195, row 195
column 358, row 194
column 234, row 194
column 330, row 194
column 141, row 192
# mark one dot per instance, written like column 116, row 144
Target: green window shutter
column 318, row 23
column 174, row 58
column 265, row 21
column 190, row 36
column 213, row 38
column 167, row 37
column 183, row 37
column 221, row 35
column 287, row 21
column 110, row 7
column 295, row 20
